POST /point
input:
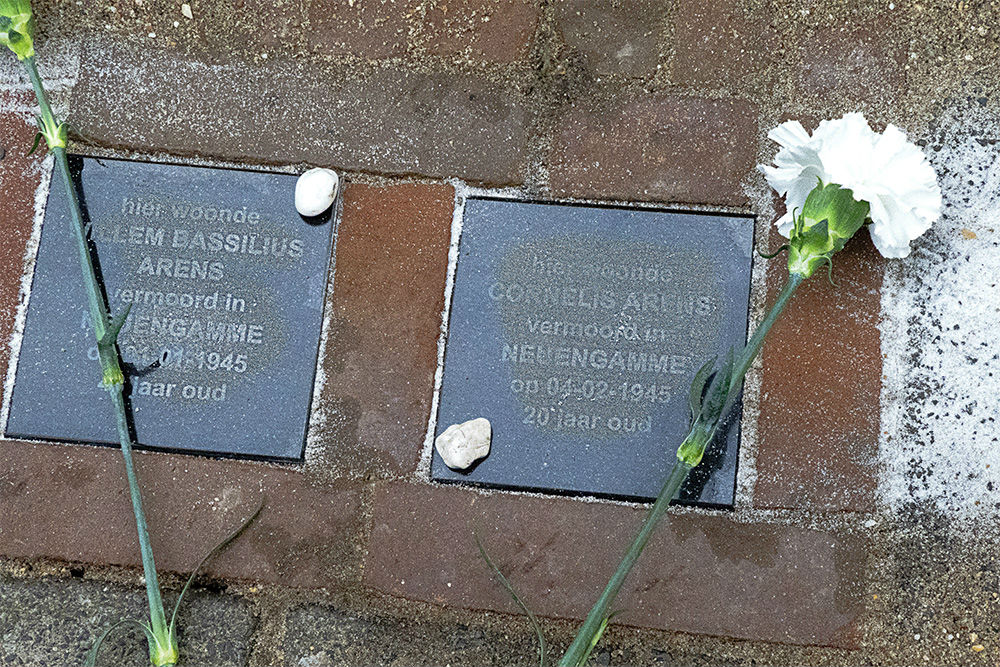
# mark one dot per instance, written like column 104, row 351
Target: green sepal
column 844, row 215
column 17, row 27
column 829, row 218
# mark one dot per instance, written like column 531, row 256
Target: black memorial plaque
column 576, row 330
column 226, row 283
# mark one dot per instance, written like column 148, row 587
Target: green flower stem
column 602, row 608
column 756, row 341
column 593, row 625
column 157, row 616
column 106, row 331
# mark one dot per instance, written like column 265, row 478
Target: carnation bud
column 829, row 217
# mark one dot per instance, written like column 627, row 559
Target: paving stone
column 257, row 25
column 318, row 636
column 48, row 621
column 818, row 429
column 369, row 29
column 705, row 574
column 71, row 503
column 381, row 354
column 288, row 111
column 656, row 147
column 613, row 37
column 852, row 63
column 20, row 177
column 721, row 43
column 492, row 31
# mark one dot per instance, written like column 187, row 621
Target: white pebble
column 461, row 445
column 186, row 11
column 315, row 191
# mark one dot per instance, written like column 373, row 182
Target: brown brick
column 392, row 261
column 71, row 503
column 613, row 37
column 819, row 406
column 721, row 43
column 261, row 25
column 852, row 64
column 369, row 29
column 20, row 176
column 498, row 31
column 287, row 112
column 704, row 574
column 662, row 148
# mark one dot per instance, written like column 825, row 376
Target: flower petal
column 885, row 170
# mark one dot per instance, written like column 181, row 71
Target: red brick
column 721, row 43
column 704, row 574
column 20, row 177
column 71, row 503
column 392, row 261
column 852, row 64
column 285, row 111
column 370, row 29
column 818, row 429
column 613, row 37
column 662, row 148
column 498, row 31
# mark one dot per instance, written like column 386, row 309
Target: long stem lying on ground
column 595, row 622
column 163, row 649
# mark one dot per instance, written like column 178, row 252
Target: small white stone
column 186, row 11
column 315, row 191
column 461, row 445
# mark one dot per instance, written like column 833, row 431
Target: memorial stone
column 226, row 286
column 576, row 330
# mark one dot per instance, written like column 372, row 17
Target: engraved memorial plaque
column 576, row 330
column 226, row 284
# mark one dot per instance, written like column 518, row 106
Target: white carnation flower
column 885, row 170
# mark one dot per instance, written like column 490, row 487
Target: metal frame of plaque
column 576, row 330
column 226, row 283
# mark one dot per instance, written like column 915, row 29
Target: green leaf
column 218, row 547
column 509, row 587
column 718, row 391
column 91, row 659
column 17, row 27
column 597, row 637
column 698, row 387
column 115, row 326
column 775, row 253
column 34, row 146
